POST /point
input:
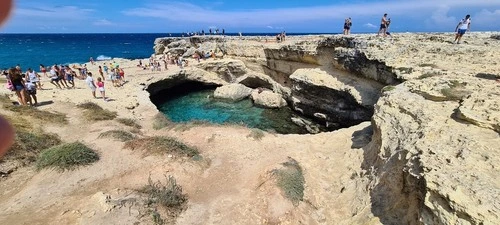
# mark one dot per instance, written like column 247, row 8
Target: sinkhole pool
column 198, row 104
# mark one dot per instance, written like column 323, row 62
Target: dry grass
column 119, row 135
column 256, row 134
column 168, row 197
column 291, row 181
column 44, row 116
column 161, row 145
column 29, row 142
column 94, row 112
column 129, row 122
column 456, row 91
column 67, row 157
column 160, row 121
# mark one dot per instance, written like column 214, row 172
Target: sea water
column 201, row 106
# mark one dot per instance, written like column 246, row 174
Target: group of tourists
column 26, row 84
column 385, row 22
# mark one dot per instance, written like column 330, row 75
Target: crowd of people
column 25, row 84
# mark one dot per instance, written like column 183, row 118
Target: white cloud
column 489, row 18
column 185, row 12
column 270, row 27
column 56, row 13
column 103, row 22
column 440, row 18
column 369, row 25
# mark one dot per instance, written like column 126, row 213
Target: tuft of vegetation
column 427, row 75
column 119, row 135
column 405, row 70
column 129, row 122
column 160, row 121
column 428, row 65
column 456, row 91
column 388, row 88
column 94, row 112
column 160, row 145
column 67, row 156
column 191, row 124
column 168, row 195
column 29, row 142
column 256, row 134
column 291, row 181
column 41, row 115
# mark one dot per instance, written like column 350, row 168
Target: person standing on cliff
column 462, row 27
column 383, row 25
column 347, row 26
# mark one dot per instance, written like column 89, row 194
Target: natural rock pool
column 189, row 102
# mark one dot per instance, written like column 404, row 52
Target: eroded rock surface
column 233, row 92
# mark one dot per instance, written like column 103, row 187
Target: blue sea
column 31, row 50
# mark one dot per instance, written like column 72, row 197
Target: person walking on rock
column 383, row 25
column 347, row 26
column 462, row 27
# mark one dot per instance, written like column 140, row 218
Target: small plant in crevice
column 290, row 180
column 256, row 134
column 388, row 88
column 456, row 91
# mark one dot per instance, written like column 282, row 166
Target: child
column 100, row 85
column 31, row 89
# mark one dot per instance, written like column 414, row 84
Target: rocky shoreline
column 420, row 121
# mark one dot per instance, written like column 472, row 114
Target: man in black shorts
column 347, row 26
column 383, row 25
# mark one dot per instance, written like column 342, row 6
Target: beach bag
column 9, row 85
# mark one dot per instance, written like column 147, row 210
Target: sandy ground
column 231, row 185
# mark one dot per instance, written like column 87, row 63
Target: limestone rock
column 343, row 102
column 175, row 51
column 267, row 98
column 228, row 69
column 179, row 44
column 481, row 109
column 310, row 126
column 234, row 92
column 159, row 49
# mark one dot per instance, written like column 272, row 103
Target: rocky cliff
column 434, row 107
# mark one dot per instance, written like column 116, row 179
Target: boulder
column 234, row 92
column 267, row 98
column 189, row 52
column 159, row 49
column 308, row 125
column 175, row 51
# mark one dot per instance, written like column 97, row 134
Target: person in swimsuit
column 17, row 81
column 383, row 25
column 100, row 86
column 347, row 26
column 101, row 73
column 43, row 69
column 68, row 75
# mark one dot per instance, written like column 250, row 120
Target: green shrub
column 129, row 122
column 160, row 145
column 119, row 135
column 291, row 181
column 256, row 134
column 94, row 112
column 67, row 156
column 160, row 121
column 29, row 142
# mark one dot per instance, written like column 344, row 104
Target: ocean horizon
column 29, row 50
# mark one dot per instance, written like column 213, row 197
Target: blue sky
column 269, row 16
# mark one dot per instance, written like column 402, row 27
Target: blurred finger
column 5, row 8
column 6, row 136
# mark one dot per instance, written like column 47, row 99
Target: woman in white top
column 462, row 27
column 34, row 78
column 54, row 78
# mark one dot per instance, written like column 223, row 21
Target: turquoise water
column 201, row 106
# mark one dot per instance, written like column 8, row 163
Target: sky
column 247, row 16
